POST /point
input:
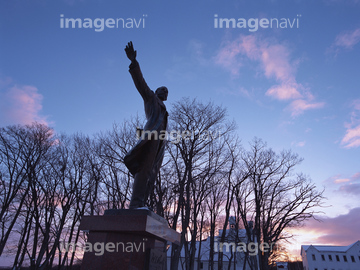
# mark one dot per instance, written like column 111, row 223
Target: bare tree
column 13, row 179
column 27, row 150
column 111, row 148
column 234, row 152
column 24, row 149
column 215, row 202
column 74, row 169
column 197, row 158
column 49, row 182
column 273, row 196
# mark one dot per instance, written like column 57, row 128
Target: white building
column 316, row 257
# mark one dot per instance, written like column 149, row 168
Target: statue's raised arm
column 136, row 73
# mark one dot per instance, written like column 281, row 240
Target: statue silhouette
column 145, row 158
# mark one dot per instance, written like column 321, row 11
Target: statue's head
column 162, row 93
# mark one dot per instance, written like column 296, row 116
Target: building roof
column 329, row 248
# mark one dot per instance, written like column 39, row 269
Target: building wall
column 314, row 259
column 304, row 259
column 205, row 265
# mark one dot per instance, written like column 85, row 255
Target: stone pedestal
column 127, row 239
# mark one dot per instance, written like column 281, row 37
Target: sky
column 286, row 71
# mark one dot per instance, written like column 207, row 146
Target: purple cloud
column 340, row 230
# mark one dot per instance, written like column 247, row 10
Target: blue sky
column 293, row 87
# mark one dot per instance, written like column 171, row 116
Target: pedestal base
column 126, row 239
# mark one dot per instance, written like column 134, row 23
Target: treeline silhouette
column 49, row 181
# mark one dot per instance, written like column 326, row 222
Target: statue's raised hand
column 130, row 52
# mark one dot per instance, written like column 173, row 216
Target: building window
column 337, row 258
column 313, row 257
column 345, row 258
column 323, row 257
column 330, row 258
column 352, row 258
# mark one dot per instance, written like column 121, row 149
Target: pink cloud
column 21, row 105
column 349, row 185
column 340, row 230
column 274, row 60
column 248, row 45
column 299, row 144
column 298, row 106
column 348, row 39
column 342, row 180
column 356, row 104
column 283, row 92
column 351, row 138
column 227, row 58
column 231, row 54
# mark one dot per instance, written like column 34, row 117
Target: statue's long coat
column 156, row 116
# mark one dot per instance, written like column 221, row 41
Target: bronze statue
column 145, row 158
